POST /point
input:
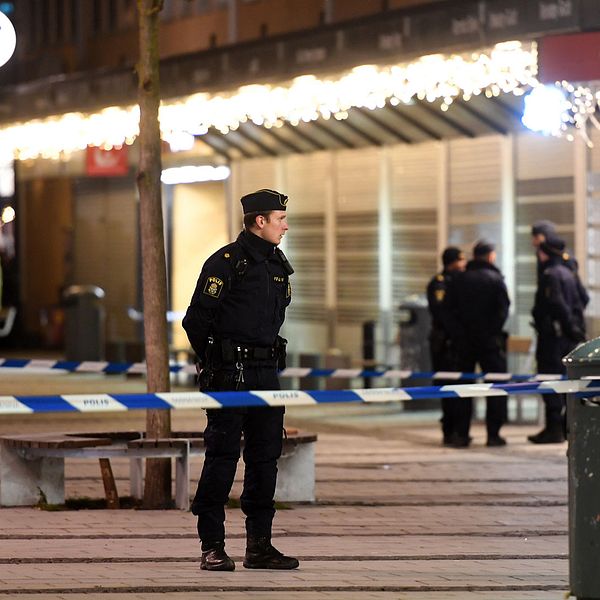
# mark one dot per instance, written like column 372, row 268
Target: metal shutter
column 475, row 205
column 106, row 247
column 544, row 190
column 306, row 178
column 357, row 235
column 415, row 181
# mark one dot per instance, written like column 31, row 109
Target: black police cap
column 553, row 246
column 483, row 248
column 543, row 227
column 451, row 254
column 263, row 201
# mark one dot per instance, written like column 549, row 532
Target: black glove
column 576, row 334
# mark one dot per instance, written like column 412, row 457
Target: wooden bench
column 32, row 466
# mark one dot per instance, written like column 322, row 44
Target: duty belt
column 232, row 352
column 256, row 353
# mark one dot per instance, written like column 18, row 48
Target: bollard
column 583, row 419
column 368, row 349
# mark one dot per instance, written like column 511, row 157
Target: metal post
column 368, row 348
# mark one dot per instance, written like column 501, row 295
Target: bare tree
column 157, row 488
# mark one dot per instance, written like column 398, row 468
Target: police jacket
column 436, row 296
column 241, row 295
column 571, row 263
column 477, row 303
column 558, row 307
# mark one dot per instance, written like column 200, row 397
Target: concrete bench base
column 24, row 482
column 30, row 472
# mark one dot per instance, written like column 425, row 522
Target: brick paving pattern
column 397, row 517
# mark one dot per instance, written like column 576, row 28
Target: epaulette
column 236, row 259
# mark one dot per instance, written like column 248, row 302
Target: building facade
column 376, row 191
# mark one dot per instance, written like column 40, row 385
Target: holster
column 281, row 352
column 205, row 369
column 204, row 378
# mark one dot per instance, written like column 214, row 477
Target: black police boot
column 461, row 441
column 549, row 435
column 261, row 554
column 214, row 558
column 495, row 440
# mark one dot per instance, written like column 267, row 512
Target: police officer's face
column 537, row 239
column 273, row 229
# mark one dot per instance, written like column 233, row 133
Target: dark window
column 97, row 16
column 203, row 6
column 73, row 14
column 60, row 20
column 45, row 37
column 113, row 15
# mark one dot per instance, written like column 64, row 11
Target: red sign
column 107, row 163
column 574, row 58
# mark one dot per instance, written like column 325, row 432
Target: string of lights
column 510, row 67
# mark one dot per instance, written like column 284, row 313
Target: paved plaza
column 397, row 516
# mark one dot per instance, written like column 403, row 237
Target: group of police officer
column 233, row 323
column 469, row 305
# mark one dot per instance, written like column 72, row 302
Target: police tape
column 196, row 400
column 140, row 368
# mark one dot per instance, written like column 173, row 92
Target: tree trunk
column 157, row 487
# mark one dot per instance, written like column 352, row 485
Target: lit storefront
column 385, row 164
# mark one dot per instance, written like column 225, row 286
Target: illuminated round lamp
column 8, row 39
column 545, row 109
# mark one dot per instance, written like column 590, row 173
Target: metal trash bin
column 583, row 421
column 415, row 323
column 84, row 322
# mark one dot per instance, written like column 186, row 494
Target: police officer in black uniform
column 477, row 309
column 543, row 229
column 233, row 324
column 558, row 320
column 442, row 351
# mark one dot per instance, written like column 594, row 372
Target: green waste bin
column 583, row 419
column 84, row 322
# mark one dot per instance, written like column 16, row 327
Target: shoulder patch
column 213, row 287
column 289, row 290
column 439, row 295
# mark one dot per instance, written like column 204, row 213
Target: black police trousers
column 262, row 428
column 443, row 358
column 491, row 358
column 549, row 354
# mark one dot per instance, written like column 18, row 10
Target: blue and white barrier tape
column 140, row 368
column 196, row 400
column 404, row 374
